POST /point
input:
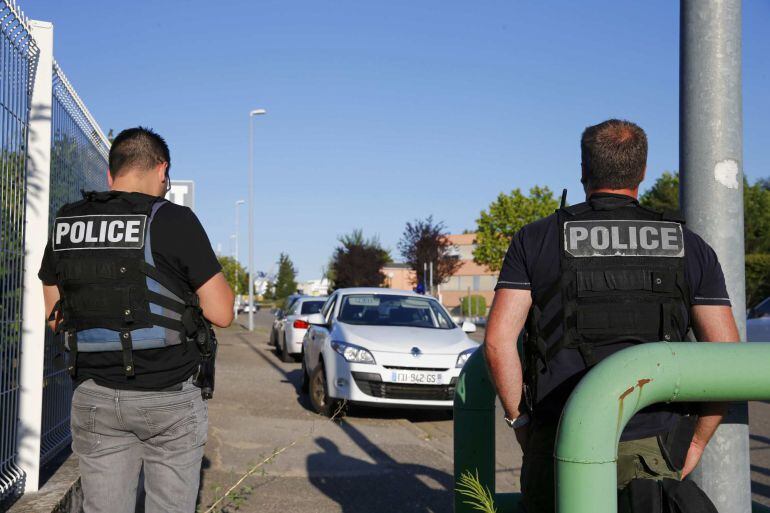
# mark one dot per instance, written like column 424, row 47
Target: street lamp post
column 237, row 254
column 255, row 112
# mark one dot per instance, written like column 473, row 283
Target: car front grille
column 372, row 384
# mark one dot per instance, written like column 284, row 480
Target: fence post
column 35, row 238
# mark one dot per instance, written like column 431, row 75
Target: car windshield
column 391, row 310
column 311, row 307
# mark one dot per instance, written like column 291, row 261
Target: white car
column 294, row 326
column 383, row 347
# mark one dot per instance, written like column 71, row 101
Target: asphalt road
column 370, row 461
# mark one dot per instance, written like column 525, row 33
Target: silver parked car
column 291, row 330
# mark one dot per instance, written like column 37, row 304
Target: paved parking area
column 372, row 460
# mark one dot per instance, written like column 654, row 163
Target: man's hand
column 694, row 454
column 506, row 320
column 522, row 436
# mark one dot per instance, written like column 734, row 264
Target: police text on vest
column 625, row 238
column 99, row 232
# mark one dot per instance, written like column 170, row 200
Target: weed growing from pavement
column 479, row 496
column 237, row 495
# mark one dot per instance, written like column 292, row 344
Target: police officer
column 586, row 282
column 129, row 280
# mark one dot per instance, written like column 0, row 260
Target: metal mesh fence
column 79, row 153
column 18, row 58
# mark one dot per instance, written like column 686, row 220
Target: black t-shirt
column 533, row 263
column 182, row 251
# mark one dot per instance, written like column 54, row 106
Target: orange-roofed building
column 470, row 277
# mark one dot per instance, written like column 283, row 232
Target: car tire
column 272, row 337
column 319, row 395
column 286, row 356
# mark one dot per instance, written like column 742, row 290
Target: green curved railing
column 598, row 410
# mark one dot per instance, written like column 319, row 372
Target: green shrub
column 757, row 278
column 473, row 305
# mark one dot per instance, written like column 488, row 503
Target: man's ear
column 161, row 170
column 109, row 179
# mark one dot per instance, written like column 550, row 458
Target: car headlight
column 352, row 353
column 464, row 357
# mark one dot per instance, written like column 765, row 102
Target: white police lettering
column 132, row 230
column 99, row 232
column 623, row 238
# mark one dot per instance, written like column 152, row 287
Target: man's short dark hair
column 139, row 148
column 614, row 155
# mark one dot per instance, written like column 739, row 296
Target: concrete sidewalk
column 370, row 461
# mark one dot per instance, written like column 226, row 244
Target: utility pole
column 238, row 203
column 710, row 163
column 431, row 278
column 255, row 112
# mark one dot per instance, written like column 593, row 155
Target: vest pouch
column 601, row 282
column 597, row 321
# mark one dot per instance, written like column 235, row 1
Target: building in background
column 318, row 287
column 470, row 278
column 399, row 276
column 182, row 192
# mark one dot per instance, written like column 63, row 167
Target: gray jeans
column 117, row 432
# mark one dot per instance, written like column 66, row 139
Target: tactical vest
column 113, row 298
column 621, row 281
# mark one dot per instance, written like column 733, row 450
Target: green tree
column 231, row 267
column 756, row 217
column 426, row 242
column 505, row 216
column 358, row 262
column 664, row 193
column 757, row 278
column 286, row 281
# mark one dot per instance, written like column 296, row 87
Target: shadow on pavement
column 383, row 486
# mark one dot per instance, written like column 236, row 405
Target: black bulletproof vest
column 621, row 282
column 112, row 296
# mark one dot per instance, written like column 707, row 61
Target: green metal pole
column 474, row 426
column 605, row 400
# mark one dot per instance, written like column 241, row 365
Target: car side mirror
column 316, row 319
column 469, row 327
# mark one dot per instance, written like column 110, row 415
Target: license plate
column 416, row 377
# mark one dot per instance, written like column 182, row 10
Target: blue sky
column 383, row 112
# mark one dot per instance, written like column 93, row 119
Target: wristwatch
column 519, row 422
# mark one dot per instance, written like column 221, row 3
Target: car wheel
column 286, row 356
column 319, row 397
column 305, row 383
column 272, row 337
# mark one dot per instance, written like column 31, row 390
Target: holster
column 206, row 340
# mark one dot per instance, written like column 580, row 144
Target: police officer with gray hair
column 132, row 285
column 586, row 282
